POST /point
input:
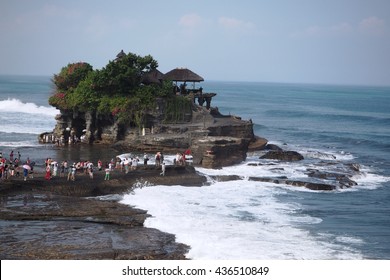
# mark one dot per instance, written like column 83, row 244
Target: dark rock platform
column 60, row 219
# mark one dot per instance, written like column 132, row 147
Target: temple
column 185, row 75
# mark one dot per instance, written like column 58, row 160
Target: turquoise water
column 332, row 126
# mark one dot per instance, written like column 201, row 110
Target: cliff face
column 215, row 140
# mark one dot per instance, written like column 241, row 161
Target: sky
column 290, row 41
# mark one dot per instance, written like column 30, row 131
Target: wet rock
column 342, row 180
column 311, row 185
column 216, row 152
column 354, row 167
column 273, row 147
column 283, row 155
column 225, row 178
column 257, row 144
column 45, row 226
column 295, row 183
column 54, row 219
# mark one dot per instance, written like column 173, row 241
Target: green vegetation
column 115, row 90
column 177, row 109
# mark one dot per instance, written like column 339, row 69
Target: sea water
column 332, row 126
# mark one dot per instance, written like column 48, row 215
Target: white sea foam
column 19, row 144
column 368, row 180
column 244, row 219
column 234, row 220
column 15, row 105
column 19, row 117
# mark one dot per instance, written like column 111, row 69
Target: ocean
column 332, row 126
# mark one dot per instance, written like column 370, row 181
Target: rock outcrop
column 283, row 155
column 215, row 140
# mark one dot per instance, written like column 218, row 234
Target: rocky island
column 131, row 105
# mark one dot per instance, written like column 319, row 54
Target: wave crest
column 16, row 106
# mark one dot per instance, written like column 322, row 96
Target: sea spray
column 16, row 106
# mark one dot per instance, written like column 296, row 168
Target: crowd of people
column 13, row 166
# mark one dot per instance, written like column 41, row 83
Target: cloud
column 191, row 21
column 372, row 25
column 339, row 29
column 235, row 24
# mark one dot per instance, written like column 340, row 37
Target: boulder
column 216, row 152
column 257, row 144
column 273, row 147
column 283, row 155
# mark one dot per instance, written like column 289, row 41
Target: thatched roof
column 152, row 77
column 120, row 55
column 182, row 75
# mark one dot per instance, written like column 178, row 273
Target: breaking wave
column 16, row 106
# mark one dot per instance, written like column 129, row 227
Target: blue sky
column 298, row 41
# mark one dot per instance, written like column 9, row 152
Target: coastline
column 60, row 219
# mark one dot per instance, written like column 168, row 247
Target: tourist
column 62, row 169
column 107, row 176
column 134, row 163
column 146, row 159
column 55, row 168
column 48, row 172
column 11, row 156
column 25, row 173
column 84, row 166
column 2, row 168
column 157, row 158
column 31, row 171
column 11, row 170
column 161, row 158
column 122, row 165
column 118, row 163
column 126, row 163
column 66, row 167
column 70, row 173
column 16, row 165
column 162, row 169
column 177, row 159
column 111, row 166
column 90, row 169
column 73, row 172
column 183, row 159
column 100, row 165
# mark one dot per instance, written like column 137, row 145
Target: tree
column 116, row 89
column 71, row 75
column 123, row 76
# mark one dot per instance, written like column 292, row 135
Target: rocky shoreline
column 83, row 219
column 60, row 219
